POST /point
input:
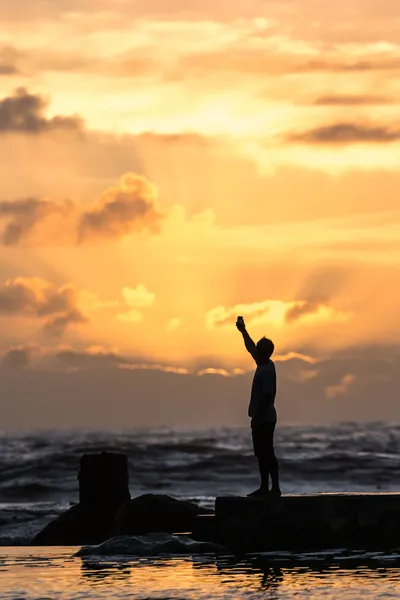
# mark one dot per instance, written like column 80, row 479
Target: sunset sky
column 167, row 166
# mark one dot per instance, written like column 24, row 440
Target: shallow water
column 55, row 573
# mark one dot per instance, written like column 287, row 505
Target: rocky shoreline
column 106, row 509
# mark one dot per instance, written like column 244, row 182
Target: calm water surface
column 55, row 573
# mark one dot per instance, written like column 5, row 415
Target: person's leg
column 273, row 465
column 263, row 465
column 258, row 437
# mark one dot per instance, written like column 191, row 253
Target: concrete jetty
column 309, row 521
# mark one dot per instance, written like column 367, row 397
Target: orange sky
column 167, row 166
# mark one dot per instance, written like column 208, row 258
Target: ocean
column 38, row 480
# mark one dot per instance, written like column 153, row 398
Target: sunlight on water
column 35, row 574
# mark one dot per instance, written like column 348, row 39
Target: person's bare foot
column 260, row 493
column 275, row 491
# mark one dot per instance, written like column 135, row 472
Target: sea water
column 38, row 480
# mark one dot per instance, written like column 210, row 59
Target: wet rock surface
column 152, row 544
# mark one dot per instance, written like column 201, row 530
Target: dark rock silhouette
column 103, row 489
column 153, row 513
column 104, row 479
column 105, row 507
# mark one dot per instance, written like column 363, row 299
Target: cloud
column 352, row 65
column 214, row 371
column 22, row 216
column 304, row 375
column 122, row 209
column 352, row 100
column 57, row 325
column 95, row 382
column 131, row 316
column 312, row 310
column 130, row 206
column 96, row 357
column 274, row 313
column 56, row 306
column 346, row 133
column 138, row 297
column 278, row 55
column 19, row 357
column 6, row 69
column 100, row 358
column 266, row 310
column 340, row 389
column 326, row 282
column 24, row 112
column 300, row 309
column 8, row 56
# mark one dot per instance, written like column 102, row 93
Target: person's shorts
column 263, row 437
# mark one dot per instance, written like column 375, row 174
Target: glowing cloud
column 273, row 312
column 138, row 297
column 340, row 389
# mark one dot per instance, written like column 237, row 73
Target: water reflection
column 99, row 571
column 272, row 573
column 271, row 578
column 336, row 575
column 300, row 570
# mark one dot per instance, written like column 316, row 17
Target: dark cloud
column 121, row 210
column 91, row 390
column 337, row 65
column 257, row 61
column 83, row 359
column 6, row 69
column 300, row 310
column 56, row 306
column 318, row 290
column 24, row 112
column 102, row 359
column 324, row 283
column 347, row 133
column 19, row 358
column 177, row 138
column 23, row 215
column 352, row 100
column 8, row 61
column 58, row 324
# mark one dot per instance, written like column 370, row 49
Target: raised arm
column 248, row 342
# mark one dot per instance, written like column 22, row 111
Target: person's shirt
column 263, row 392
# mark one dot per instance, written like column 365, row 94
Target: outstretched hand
column 240, row 324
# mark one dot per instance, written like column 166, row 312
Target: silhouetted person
column 262, row 410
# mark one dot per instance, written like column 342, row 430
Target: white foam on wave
column 152, row 544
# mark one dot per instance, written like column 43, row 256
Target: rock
column 304, row 522
column 104, row 479
column 152, row 544
column 105, row 508
column 78, row 525
column 103, row 489
column 204, row 528
column 156, row 513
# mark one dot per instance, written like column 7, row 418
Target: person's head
column 265, row 349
